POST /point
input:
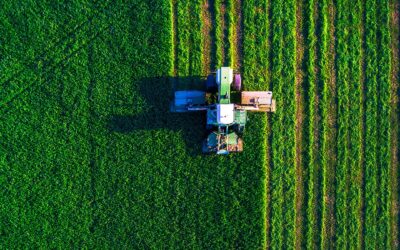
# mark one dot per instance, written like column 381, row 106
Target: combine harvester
column 225, row 119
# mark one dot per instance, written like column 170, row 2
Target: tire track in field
column 55, row 43
column 53, row 59
column 395, row 121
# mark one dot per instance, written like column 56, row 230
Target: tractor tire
column 211, row 84
column 237, row 82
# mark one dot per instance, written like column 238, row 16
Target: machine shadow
column 157, row 94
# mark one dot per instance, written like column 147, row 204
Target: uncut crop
column 90, row 155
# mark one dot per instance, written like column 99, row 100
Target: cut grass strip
column 309, row 124
column 229, row 40
column 383, row 133
column 218, row 34
column 343, row 119
column 196, row 41
column 183, row 38
column 277, row 142
column 249, row 36
column 355, row 126
column 370, row 164
column 288, row 111
column 323, row 84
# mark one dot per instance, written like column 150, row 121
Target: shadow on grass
column 158, row 95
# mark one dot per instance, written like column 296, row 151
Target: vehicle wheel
column 237, row 82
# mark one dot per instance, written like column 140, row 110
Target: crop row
column 355, row 126
column 342, row 29
column 371, row 102
column 310, row 110
column 323, row 80
column 383, row 154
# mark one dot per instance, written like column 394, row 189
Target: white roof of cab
column 225, row 113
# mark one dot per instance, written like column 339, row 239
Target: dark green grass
column 90, row 156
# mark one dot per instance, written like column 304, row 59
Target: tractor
column 226, row 117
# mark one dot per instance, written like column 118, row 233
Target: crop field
column 91, row 157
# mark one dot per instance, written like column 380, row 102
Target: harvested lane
column 341, row 206
column 276, row 182
column 309, row 124
column 237, row 36
column 332, row 117
column 395, row 119
column 288, row 120
column 196, row 38
column 370, row 139
column 355, row 126
column 300, row 113
column 208, row 43
column 383, row 132
column 323, row 113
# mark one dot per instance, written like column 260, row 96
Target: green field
column 91, row 157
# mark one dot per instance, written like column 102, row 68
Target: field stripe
column 229, row 39
column 237, row 34
column 343, row 119
column 309, row 124
column 183, row 38
column 276, row 185
column 323, row 83
column 288, row 112
column 300, row 89
column 383, row 132
column 196, row 41
column 249, row 35
column 371, row 127
column 218, row 34
column 355, row 126
column 395, row 118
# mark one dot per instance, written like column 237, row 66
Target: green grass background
column 89, row 155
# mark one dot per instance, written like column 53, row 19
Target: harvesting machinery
column 226, row 106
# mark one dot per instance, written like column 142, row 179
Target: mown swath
column 288, row 119
column 343, row 119
column 383, row 133
column 277, row 164
column 323, row 85
column 370, row 139
column 183, row 38
column 355, row 126
column 310, row 111
column 218, row 34
column 196, row 41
